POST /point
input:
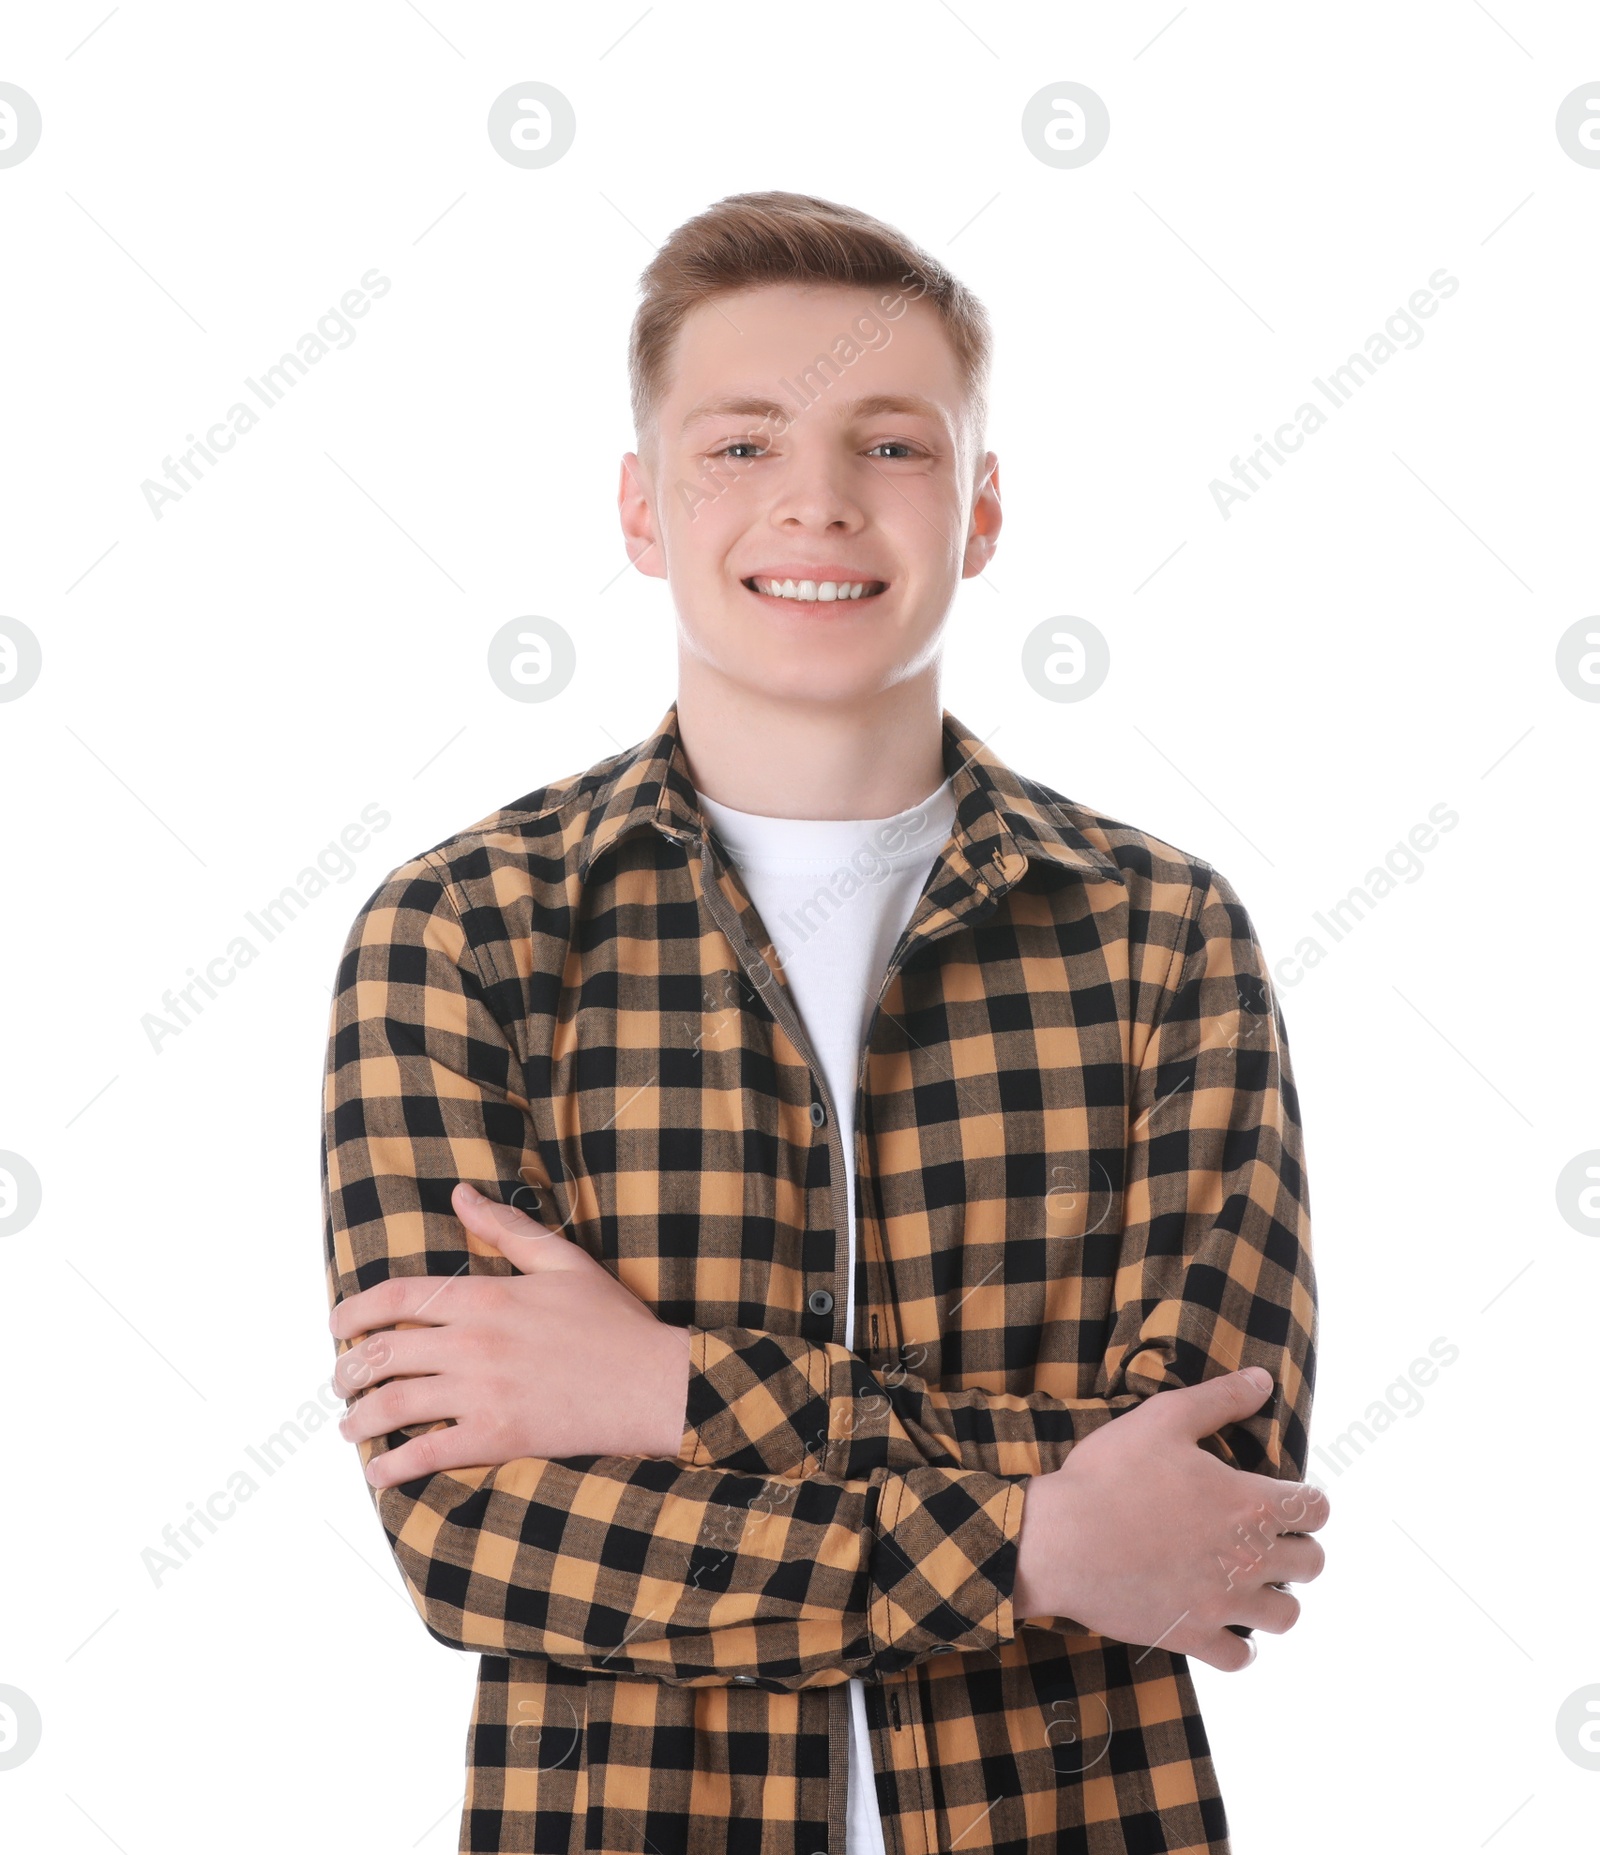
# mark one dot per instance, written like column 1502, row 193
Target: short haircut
column 751, row 239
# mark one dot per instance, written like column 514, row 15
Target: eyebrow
column 755, row 407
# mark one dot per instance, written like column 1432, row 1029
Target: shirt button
column 820, row 1301
column 744, row 1681
column 818, row 1114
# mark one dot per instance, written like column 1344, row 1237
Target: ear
column 983, row 530
column 639, row 518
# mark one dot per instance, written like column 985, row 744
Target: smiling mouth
column 814, row 592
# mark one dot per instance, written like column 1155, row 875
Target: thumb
column 1203, row 1409
column 525, row 1244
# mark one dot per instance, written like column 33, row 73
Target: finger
column 400, row 1403
column 1285, row 1507
column 1303, row 1507
column 414, row 1368
column 1295, row 1560
column 527, row 1245
column 1201, row 1410
column 433, row 1453
column 366, row 1363
column 1222, row 1649
column 401, row 1297
column 405, row 1354
column 1267, row 1609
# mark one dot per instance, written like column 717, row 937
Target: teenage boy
column 861, row 1128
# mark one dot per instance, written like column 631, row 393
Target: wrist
column 1041, row 1586
column 673, row 1403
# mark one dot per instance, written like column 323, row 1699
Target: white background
column 1372, row 634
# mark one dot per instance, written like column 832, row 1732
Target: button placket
column 820, row 1301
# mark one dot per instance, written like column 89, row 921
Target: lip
column 829, row 570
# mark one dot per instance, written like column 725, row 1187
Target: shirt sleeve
column 628, row 1565
column 1214, row 1270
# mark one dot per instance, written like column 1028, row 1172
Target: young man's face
column 819, row 438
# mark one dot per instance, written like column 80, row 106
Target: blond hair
column 751, row 239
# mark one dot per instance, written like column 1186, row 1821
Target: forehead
column 750, row 342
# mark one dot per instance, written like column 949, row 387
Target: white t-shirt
column 834, row 896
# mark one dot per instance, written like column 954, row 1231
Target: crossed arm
column 821, row 1518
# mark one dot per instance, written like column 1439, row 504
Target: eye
column 893, row 444
column 744, row 447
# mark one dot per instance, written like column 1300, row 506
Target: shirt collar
column 1002, row 821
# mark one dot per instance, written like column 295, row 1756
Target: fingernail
column 472, row 1192
column 1258, row 1376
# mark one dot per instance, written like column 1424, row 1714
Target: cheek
column 926, row 528
column 704, row 516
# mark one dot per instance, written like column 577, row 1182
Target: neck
column 790, row 757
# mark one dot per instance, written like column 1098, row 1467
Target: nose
column 814, row 493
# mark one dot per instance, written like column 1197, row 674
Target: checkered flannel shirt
column 1080, row 1181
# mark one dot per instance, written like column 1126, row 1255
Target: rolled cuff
column 771, row 1404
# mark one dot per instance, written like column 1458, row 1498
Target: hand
column 559, row 1360
column 1143, row 1536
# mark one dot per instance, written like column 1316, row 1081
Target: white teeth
column 820, row 591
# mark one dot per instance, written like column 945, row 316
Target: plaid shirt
column 1080, row 1181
